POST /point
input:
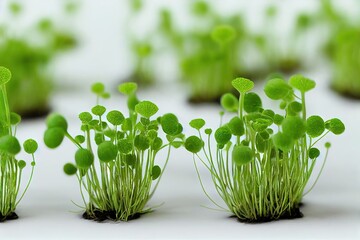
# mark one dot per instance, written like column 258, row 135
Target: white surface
column 331, row 210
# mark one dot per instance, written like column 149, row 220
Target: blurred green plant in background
column 32, row 83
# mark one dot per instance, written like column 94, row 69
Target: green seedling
column 11, row 168
column 32, row 84
column 116, row 158
column 262, row 161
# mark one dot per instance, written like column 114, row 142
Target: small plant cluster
column 127, row 173
column 262, row 160
column 31, row 85
column 11, row 168
column 342, row 48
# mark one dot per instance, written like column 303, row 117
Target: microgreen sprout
column 262, row 161
column 11, row 168
column 115, row 161
column 31, row 85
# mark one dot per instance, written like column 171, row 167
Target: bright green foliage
column 11, row 168
column 116, row 155
column 197, row 123
column 170, row 124
column 194, row 144
column 70, row 169
column 128, row 88
column 252, row 102
column 293, row 127
column 315, row 126
column 263, row 160
column 302, row 83
column 53, row 137
column 115, row 117
column 55, row 120
column 242, row 155
column 10, row 145
column 5, row 75
column 243, row 85
column 146, row 109
column 223, row 34
column 229, row 102
column 223, row 135
column 84, row 158
column 277, row 89
column 30, row 146
column 32, row 81
column 107, row 151
column 335, row 125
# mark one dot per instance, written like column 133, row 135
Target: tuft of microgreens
column 209, row 56
column 263, row 160
column 11, row 168
column 31, row 85
column 115, row 161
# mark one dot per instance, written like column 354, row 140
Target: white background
column 331, row 210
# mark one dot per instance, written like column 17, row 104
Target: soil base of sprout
column 294, row 214
column 204, row 99
column 34, row 113
column 100, row 216
column 11, row 216
column 346, row 93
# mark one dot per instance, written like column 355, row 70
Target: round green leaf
column 98, row 110
column 295, row 107
column 193, row 144
column 53, row 137
column 223, row 34
column 170, row 124
column 107, row 151
column 5, row 75
column 229, row 102
column 85, row 117
column 98, row 88
column 9, row 144
column 127, row 88
column 115, row 117
column 83, row 158
column 294, row 127
column 80, row 139
column 155, row 172
column 278, row 119
column 15, row 118
column 242, row 155
column 302, row 83
column 70, row 169
column 314, row 153
column 243, row 85
column 56, row 120
column 252, row 102
column 30, row 146
column 222, row 135
column 277, row 89
column 21, row 164
column 141, row 142
column 125, row 146
column 236, row 126
column 315, row 126
column 146, row 109
column 157, row 144
column 197, row 123
column 335, row 125
column 283, row 142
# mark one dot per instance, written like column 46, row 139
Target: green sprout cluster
column 209, row 52
column 11, row 168
column 115, row 160
column 31, row 85
column 263, row 160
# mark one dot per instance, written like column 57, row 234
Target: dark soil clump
column 100, row 216
column 11, row 216
column 294, row 214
